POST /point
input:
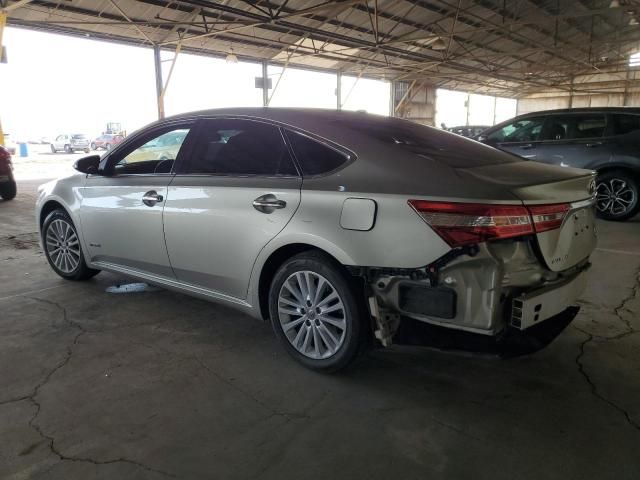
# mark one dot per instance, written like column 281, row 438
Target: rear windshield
column 431, row 143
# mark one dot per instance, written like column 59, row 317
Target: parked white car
column 70, row 142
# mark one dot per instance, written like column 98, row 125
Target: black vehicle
column 606, row 140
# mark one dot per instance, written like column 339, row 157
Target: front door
column 121, row 211
column 236, row 191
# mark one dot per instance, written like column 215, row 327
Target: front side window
column 524, row 130
column 240, row 147
column 155, row 155
column 314, row 157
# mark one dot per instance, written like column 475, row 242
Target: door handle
column 268, row 203
column 528, row 146
column 151, row 198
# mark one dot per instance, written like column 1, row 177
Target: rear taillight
column 468, row 223
column 548, row 217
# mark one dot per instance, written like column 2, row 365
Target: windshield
column 78, row 136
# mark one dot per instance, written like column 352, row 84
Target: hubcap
column 615, row 197
column 62, row 246
column 312, row 315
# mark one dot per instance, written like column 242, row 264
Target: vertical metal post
column 339, row 90
column 495, row 106
column 265, row 83
column 571, row 92
column 468, row 107
column 158, row 65
column 392, row 98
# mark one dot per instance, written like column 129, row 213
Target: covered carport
column 101, row 383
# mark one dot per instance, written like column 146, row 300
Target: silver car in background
column 340, row 228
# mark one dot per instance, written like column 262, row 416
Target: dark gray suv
column 606, row 140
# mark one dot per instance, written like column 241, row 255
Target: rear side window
column 314, row 157
column 240, row 147
column 574, row 127
column 623, row 124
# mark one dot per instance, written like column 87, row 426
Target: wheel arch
column 271, row 265
column 611, row 167
column 48, row 207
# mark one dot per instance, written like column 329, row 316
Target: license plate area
column 534, row 307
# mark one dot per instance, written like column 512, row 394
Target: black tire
column 353, row 337
column 93, row 146
column 86, row 150
column 81, row 271
column 618, row 195
column 53, row 149
column 67, row 149
column 8, row 190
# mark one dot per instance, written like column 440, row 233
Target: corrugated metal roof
column 504, row 47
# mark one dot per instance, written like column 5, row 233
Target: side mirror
column 481, row 138
column 88, row 165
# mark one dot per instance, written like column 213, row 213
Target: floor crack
column 594, row 388
column 32, row 397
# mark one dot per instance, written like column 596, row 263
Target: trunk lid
column 538, row 184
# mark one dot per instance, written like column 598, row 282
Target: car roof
column 634, row 110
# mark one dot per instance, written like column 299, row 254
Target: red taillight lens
column 548, row 217
column 467, row 223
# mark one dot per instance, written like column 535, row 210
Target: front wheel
column 617, row 195
column 62, row 247
column 53, row 149
column 67, row 149
column 8, row 190
column 93, row 146
column 86, row 150
column 316, row 313
column 109, row 147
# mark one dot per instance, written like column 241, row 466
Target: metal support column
column 159, row 96
column 392, row 98
column 265, row 83
column 339, row 90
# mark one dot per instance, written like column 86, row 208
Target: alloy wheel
column 63, row 247
column 312, row 315
column 615, row 196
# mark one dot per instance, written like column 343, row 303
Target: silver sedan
column 340, row 228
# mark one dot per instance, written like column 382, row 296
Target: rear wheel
column 67, row 149
column 62, row 247
column 316, row 313
column 93, row 146
column 86, row 150
column 53, row 149
column 617, row 195
column 8, row 190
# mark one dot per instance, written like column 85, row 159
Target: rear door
column 520, row 137
column 575, row 140
column 237, row 191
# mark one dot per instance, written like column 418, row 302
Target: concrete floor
column 157, row 384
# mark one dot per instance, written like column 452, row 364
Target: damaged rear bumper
column 510, row 343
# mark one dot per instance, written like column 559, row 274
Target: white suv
column 70, row 143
